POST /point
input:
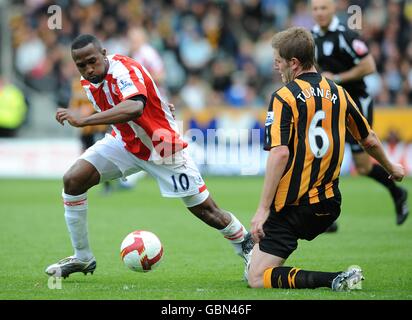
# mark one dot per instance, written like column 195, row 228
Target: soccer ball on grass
column 141, row 251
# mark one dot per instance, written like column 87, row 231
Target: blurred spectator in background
column 13, row 109
column 195, row 93
column 235, row 95
column 195, row 50
column 212, row 39
column 302, row 16
column 145, row 54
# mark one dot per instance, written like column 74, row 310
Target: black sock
column 379, row 174
column 294, row 278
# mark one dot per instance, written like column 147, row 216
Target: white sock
column 235, row 232
column 76, row 219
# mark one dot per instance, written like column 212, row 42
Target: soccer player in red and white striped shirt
column 144, row 137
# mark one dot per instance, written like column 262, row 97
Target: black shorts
column 284, row 228
column 365, row 105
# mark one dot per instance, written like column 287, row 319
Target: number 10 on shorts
column 182, row 181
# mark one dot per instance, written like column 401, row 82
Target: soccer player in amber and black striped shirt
column 305, row 135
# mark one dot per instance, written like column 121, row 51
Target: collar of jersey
column 308, row 74
column 333, row 26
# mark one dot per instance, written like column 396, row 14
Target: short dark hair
column 83, row 40
column 296, row 42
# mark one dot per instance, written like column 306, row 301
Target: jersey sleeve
column 357, row 48
column 278, row 124
column 128, row 81
column 356, row 123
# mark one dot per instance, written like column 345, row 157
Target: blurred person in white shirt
column 145, row 54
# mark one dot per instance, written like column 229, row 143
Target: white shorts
column 178, row 179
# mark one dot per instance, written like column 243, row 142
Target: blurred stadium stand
column 232, row 67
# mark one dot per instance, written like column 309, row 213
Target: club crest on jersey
column 359, row 46
column 327, row 48
column 269, row 118
column 123, row 84
column 114, row 89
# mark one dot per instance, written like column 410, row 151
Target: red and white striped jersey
column 152, row 136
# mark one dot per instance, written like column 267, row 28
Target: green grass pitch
column 198, row 262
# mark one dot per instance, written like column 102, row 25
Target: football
column 141, row 251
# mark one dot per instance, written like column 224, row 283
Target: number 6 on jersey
column 318, row 131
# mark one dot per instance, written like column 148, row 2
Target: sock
column 295, row 278
column 76, row 219
column 379, row 174
column 235, row 232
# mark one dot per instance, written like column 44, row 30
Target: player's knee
column 71, row 183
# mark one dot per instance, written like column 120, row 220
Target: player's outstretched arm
column 373, row 147
column 125, row 111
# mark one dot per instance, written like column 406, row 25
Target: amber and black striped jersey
column 310, row 115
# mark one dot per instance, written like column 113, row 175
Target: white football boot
column 247, row 246
column 70, row 265
column 348, row 280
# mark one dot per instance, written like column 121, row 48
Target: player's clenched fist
column 397, row 173
column 72, row 117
